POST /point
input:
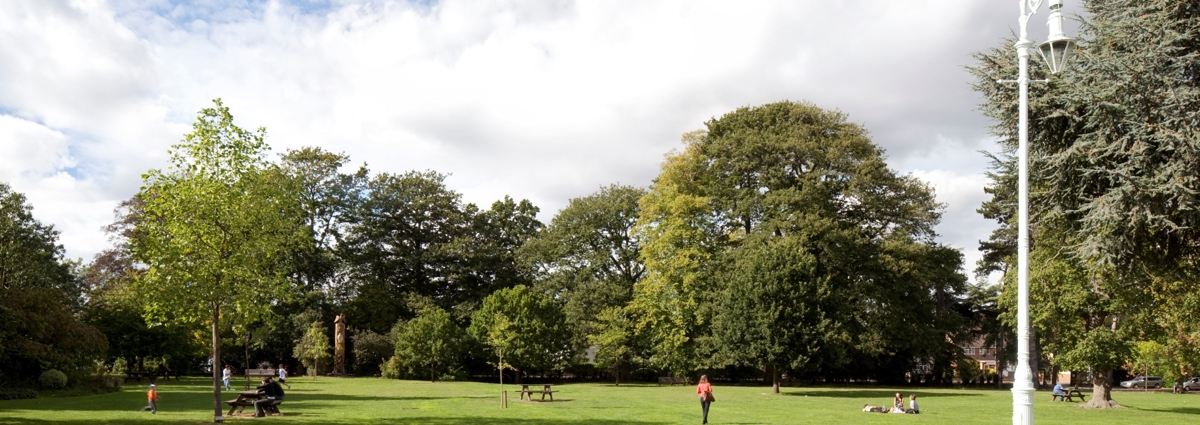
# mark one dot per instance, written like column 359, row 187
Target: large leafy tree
column 413, row 236
column 431, row 342
column 1114, row 155
column 588, row 259
column 530, row 327
column 218, row 226
column 784, row 222
column 39, row 298
column 327, row 198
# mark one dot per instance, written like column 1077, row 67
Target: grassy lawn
column 378, row 401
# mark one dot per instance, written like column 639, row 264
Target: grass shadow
column 1180, row 410
column 874, row 393
column 373, row 421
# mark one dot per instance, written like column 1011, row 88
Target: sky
column 544, row 100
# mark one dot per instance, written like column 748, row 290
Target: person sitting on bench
column 272, row 394
column 1058, row 394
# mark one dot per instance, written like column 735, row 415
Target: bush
column 53, row 379
column 967, row 370
column 17, row 393
column 391, row 369
column 370, row 349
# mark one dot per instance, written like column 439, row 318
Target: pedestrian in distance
column 283, row 376
column 152, row 398
column 704, row 389
column 226, row 375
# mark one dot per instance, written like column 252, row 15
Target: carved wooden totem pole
column 339, row 350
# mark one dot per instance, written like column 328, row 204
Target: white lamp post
column 1055, row 52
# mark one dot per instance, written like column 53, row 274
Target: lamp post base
column 1022, row 405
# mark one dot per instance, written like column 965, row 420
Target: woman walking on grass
column 706, row 396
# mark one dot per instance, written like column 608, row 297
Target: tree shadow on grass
column 1182, row 410
column 875, row 393
column 373, row 421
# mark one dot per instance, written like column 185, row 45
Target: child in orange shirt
column 152, row 397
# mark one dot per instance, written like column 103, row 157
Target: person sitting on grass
column 272, row 392
column 1058, row 393
column 912, row 404
column 898, row 404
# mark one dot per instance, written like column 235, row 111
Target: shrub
column 967, row 370
column 391, row 369
column 17, row 393
column 53, row 379
column 370, row 350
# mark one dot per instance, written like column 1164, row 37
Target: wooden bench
column 671, row 380
column 251, row 373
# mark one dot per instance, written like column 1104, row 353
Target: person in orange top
column 152, row 397
column 706, row 397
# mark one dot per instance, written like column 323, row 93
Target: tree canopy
column 217, row 227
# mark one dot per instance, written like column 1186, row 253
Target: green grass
column 378, row 401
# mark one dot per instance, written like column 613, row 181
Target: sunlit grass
column 379, row 401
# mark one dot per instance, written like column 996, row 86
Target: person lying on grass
column 874, row 409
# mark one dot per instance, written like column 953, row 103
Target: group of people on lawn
column 897, row 405
column 272, row 392
column 704, row 390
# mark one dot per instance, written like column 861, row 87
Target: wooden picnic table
column 545, row 391
column 247, row 399
column 1068, row 394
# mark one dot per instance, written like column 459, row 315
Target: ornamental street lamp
column 1055, row 52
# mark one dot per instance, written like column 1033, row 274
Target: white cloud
column 539, row 100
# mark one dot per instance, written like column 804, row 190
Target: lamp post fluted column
column 1023, row 378
column 1055, row 52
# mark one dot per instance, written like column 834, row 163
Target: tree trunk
column 617, row 374
column 246, row 346
column 1035, row 354
column 432, row 374
column 216, row 363
column 774, row 379
column 1000, row 359
column 1102, row 392
column 517, row 372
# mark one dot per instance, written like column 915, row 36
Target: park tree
column 313, row 349
column 412, row 236
column 588, row 256
column 1113, row 160
column 431, row 343
column 40, row 297
column 781, row 226
column 484, row 258
column 327, row 199
column 530, row 327
column 677, row 242
column 613, row 337
column 217, row 228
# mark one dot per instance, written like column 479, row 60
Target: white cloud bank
column 543, row 100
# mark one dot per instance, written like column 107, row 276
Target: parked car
column 1144, row 382
column 1190, row 384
